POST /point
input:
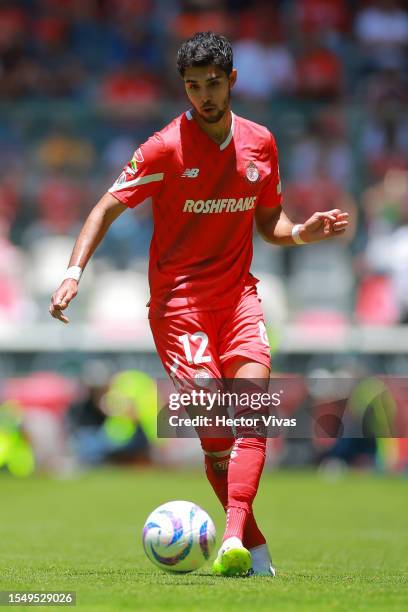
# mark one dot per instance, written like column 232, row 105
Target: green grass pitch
column 337, row 545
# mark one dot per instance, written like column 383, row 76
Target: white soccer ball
column 178, row 536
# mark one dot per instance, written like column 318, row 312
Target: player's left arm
column 274, row 225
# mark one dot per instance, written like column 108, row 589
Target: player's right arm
column 94, row 229
column 141, row 178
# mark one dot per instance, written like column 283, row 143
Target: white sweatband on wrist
column 74, row 272
column 295, row 234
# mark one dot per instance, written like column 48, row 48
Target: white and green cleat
column 233, row 559
column 261, row 562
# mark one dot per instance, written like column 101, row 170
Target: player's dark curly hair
column 205, row 48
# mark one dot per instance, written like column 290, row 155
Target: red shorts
column 197, row 343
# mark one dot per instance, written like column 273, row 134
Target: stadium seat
column 122, row 311
column 375, row 302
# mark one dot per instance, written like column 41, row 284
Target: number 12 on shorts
column 199, row 356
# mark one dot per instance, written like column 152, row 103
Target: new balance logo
column 191, row 172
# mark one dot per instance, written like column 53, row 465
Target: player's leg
column 217, row 458
column 245, row 469
column 246, row 466
column 186, row 346
column 245, row 355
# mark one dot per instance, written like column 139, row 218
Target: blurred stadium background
column 82, row 84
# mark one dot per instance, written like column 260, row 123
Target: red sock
column 236, row 520
column 216, row 469
column 216, row 456
column 244, row 472
column 253, row 536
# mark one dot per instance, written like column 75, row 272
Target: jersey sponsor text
column 228, row 205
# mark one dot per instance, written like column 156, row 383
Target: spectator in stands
column 128, row 10
column 18, row 72
column 398, row 261
column 63, row 73
column 381, row 29
column 319, row 189
column 322, row 17
column 384, row 139
column 200, row 15
column 265, row 66
column 61, row 202
column 384, row 207
column 131, row 91
column 45, row 398
column 324, row 144
column 62, row 150
column 9, row 201
column 319, row 71
column 14, row 306
column 13, row 35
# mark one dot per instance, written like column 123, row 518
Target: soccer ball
column 178, row 536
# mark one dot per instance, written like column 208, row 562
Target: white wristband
column 295, row 234
column 74, row 272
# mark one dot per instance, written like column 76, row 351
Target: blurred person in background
column 331, row 18
column 399, row 266
column 44, row 398
column 13, row 302
column 381, row 28
column 13, row 32
column 211, row 174
column 60, row 200
column 319, row 70
column 61, row 149
column 383, row 265
column 323, row 145
column 105, row 425
column 196, row 14
column 265, row 63
column 131, row 91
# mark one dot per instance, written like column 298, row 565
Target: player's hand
column 62, row 297
column 324, row 225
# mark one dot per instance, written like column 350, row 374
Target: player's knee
column 250, row 427
column 217, row 447
column 253, row 443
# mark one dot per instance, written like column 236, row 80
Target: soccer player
column 210, row 175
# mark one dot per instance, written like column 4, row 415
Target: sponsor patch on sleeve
column 130, row 170
column 138, row 156
column 135, row 162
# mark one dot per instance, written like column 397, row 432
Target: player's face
column 209, row 90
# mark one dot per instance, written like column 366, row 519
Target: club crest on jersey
column 252, row 172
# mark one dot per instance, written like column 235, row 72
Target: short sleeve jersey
column 204, row 197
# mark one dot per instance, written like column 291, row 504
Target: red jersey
column 204, row 198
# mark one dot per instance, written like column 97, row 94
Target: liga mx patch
column 136, row 159
column 138, row 156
